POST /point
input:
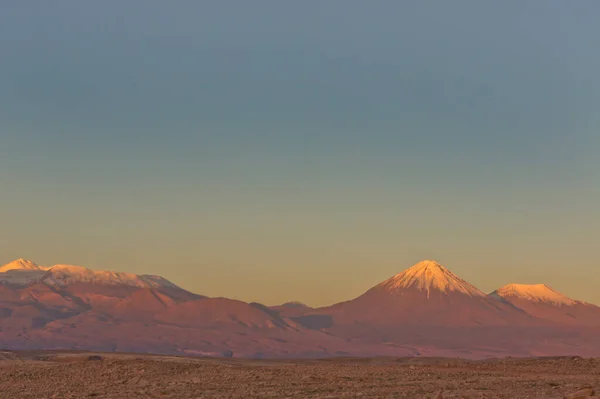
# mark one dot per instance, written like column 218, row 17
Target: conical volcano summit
column 430, row 277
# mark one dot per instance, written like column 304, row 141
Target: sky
column 273, row 151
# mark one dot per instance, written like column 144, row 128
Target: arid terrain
column 48, row 374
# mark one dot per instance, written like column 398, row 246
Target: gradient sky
column 274, row 151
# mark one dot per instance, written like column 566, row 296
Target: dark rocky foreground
column 42, row 374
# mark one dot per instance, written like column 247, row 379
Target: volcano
column 546, row 303
column 427, row 294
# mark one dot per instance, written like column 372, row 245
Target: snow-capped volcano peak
column 534, row 293
column 19, row 264
column 429, row 275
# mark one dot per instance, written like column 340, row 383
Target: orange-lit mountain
column 424, row 310
column 544, row 302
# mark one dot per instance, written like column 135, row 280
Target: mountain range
column 425, row 310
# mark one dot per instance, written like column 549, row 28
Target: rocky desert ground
column 51, row 374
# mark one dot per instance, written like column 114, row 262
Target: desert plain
column 68, row 374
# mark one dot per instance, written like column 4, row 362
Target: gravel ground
column 38, row 375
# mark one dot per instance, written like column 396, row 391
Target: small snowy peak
column 20, row 264
column 534, row 293
column 429, row 275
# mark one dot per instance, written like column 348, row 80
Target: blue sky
column 274, row 151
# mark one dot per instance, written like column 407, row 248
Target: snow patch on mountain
column 534, row 293
column 24, row 272
column 429, row 275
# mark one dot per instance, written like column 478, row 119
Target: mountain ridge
column 423, row 310
column 62, row 274
column 424, row 275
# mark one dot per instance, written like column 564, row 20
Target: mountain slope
column 542, row 301
column 291, row 309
